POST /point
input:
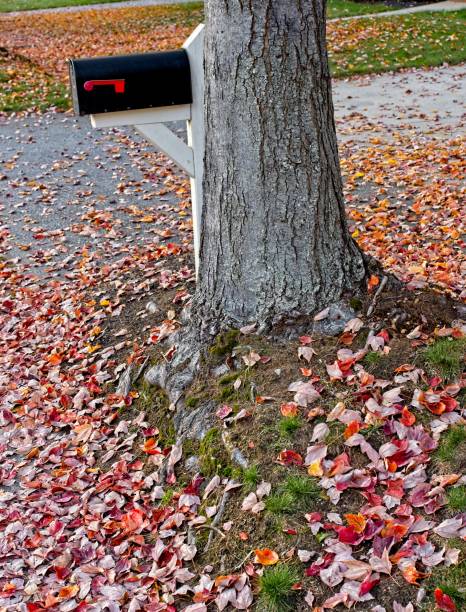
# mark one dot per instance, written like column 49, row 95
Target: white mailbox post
column 150, row 123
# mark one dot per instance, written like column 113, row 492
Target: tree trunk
column 274, row 237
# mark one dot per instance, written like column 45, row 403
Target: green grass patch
column 229, row 378
column 302, row 488
column 24, row 87
column 335, row 8
column 295, row 494
column 372, row 358
column 446, row 357
column 280, row 503
column 250, row 477
column 451, row 580
column 275, row 588
column 457, row 498
column 192, row 401
column 224, row 343
column 288, row 426
column 213, row 456
column 447, row 451
column 167, row 497
column 346, row 8
column 381, row 44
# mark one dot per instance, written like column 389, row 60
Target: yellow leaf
column 315, row 469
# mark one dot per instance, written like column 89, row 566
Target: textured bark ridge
column 275, row 239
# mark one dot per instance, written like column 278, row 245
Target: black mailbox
column 130, row 82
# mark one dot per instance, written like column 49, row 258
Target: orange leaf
column 407, row 417
column 265, row 556
column 150, row 447
column 225, row 580
column 54, row 359
column 373, row 282
column 133, row 520
column 306, row 371
column 68, row 591
column 351, row 429
column 412, row 575
column 356, row 521
column 261, row 399
column 347, row 338
column 290, row 409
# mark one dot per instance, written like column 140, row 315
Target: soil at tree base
column 398, row 313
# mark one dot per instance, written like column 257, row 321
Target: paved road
column 65, row 186
column 427, row 101
column 447, row 5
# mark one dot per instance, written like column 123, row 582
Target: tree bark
column 274, row 234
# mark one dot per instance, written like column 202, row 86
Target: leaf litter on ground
column 96, row 507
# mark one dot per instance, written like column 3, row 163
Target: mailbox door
column 130, row 82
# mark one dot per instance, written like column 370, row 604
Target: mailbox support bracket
column 149, row 122
column 169, row 143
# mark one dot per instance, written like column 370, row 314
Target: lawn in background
column 33, row 70
column 419, row 40
column 336, row 8
column 7, row 6
column 348, row 8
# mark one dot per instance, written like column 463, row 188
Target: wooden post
column 194, row 47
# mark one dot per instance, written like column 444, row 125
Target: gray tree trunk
column 274, row 238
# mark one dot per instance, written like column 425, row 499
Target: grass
column 251, row 477
column 301, row 487
column 37, row 79
column 23, row 86
column 372, row 358
column 287, row 426
column 446, row 357
column 379, row 45
column 167, row 497
column 294, row 494
column 451, row 580
column 335, row 8
column 280, row 503
column 346, row 8
column 212, row 454
column 449, row 443
column 7, row 6
column 457, row 498
column 276, row 584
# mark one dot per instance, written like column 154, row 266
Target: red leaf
column 369, row 583
column 348, row 535
column 305, row 340
column 444, row 601
column 407, row 417
column 289, row 457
